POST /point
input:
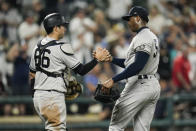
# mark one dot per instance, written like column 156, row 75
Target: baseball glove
column 74, row 89
column 106, row 95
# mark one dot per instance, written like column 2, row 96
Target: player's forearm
column 119, row 62
column 84, row 69
column 139, row 63
column 132, row 70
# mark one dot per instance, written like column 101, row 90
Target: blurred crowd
column 98, row 24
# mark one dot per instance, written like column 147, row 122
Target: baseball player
column 142, row 90
column 49, row 60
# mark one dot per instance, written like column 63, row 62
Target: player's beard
column 133, row 28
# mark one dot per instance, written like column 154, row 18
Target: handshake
column 102, row 55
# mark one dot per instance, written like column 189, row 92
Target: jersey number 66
column 41, row 59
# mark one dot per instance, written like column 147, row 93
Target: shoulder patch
column 67, row 49
column 141, row 47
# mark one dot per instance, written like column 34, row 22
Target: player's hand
column 102, row 55
column 108, row 84
column 94, row 54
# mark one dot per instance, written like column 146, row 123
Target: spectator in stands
column 28, row 32
column 102, row 25
column 9, row 21
column 117, row 9
column 39, row 10
column 171, row 12
column 64, row 8
column 156, row 18
column 91, row 81
column 8, row 53
column 174, row 37
column 120, row 51
column 164, row 69
column 189, row 20
column 192, row 40
column 180, row 72
column 20, row 75
column 157, row 3
column 117, row 45
column 99, row 40
column 81, row 29
column 20, row 83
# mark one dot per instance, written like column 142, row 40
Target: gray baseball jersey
column 145, row 41
column 148, row 42
column 140, row 95
column 55, row 59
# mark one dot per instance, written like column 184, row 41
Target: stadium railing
column 168, row 121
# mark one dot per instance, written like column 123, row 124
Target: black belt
column 49, row 90
column 53, row 90
column 146, row 76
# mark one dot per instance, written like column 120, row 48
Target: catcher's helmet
column 54, row 19
column 137, row 11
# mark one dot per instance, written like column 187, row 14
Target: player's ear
column 55, row 29
column 137, row 19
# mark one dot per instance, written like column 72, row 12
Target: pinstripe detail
column 75, row 65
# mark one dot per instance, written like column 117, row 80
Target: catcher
column 50, row 59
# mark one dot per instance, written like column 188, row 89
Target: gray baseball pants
column 137, row 104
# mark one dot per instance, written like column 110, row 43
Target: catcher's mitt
column 74, row 89
column 106, row 95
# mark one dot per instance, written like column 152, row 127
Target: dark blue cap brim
column 126, row 17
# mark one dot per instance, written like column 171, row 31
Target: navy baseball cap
column 137, row 11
